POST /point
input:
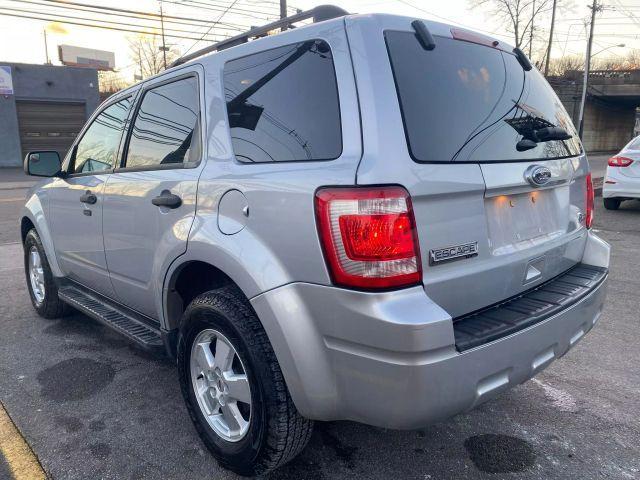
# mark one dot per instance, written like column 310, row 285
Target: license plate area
column 520, row 221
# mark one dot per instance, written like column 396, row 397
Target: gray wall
column 608, row 124
column 41, row 82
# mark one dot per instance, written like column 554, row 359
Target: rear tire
column 612, row 203
column 271, row 431
column 43, row 290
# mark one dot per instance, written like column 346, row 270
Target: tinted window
column 166, row 127
column 468, row 102
column 98, row 148
column 283, row 104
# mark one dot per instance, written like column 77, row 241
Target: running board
column 111, row 315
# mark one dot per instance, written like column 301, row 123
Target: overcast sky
column 21, row 40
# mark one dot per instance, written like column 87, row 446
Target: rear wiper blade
column 540, row 135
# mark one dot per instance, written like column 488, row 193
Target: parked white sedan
column 622, row 181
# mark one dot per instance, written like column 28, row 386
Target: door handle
column 167, row 199
column 88, row 197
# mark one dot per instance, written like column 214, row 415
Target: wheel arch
column 33, row 215
column 191, row 275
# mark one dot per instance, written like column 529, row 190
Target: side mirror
column 42, row 164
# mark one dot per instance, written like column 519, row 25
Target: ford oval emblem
column 537, row 175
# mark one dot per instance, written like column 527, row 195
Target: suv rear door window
column 166, row 127
column 282, row 104
column 468, row 102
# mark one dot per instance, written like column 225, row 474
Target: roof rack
column 318, row 14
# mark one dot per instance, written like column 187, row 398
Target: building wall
column 43, row 83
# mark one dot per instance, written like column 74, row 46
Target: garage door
column 49, row 125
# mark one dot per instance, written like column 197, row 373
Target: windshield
column 471, row 103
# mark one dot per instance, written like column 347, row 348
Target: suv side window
column 282, row 104
column 98, row 148
column 166, row 127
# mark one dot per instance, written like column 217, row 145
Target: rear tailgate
column 444, row 123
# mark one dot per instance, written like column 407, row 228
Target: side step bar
column 113, row 316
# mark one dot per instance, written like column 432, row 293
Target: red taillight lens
column 619, row 162
column 588, row 221
column 369, row 236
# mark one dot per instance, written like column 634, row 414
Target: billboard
column 6, row 82
column 86, row 57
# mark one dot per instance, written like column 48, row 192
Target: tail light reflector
column 588, row 221
column 619, row 162
column 369, row 237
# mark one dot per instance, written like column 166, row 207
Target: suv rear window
column 467, row 102
column 282, row 104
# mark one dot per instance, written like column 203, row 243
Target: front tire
column 234, row 388
column 43, row 290
column 612, row 203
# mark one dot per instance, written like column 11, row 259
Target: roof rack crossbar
column 318, row 14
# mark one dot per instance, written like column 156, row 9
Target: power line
column 117, row 12
column 82, row 24
column 62, row 18
column 217, row 8
column 212, row 25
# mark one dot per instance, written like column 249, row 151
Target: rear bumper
column 389, row 359
column 624, row 186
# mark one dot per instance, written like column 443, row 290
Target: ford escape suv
column 369, row 217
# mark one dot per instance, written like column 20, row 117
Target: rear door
column 445, row 123
column 150, row 200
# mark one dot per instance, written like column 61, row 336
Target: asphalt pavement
column 92, row 405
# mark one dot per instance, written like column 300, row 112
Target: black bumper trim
column 528, row 308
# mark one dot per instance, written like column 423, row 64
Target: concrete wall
column 607, row 127
column 608, row 123
column 41, row 82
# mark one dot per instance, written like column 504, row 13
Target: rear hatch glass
column 466, row 102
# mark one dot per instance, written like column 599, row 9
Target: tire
column 612, row 203
column 275, row 431
column 46, row 303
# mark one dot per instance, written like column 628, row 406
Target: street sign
column 6, row 82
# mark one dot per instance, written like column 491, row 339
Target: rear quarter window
column 282, row 104
column 468, row 102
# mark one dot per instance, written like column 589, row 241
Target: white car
column 622, row 181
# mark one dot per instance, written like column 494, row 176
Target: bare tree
column 518, row 16
column 145, row 51
column 559, row 67
column 110, row 82
column 630, row 61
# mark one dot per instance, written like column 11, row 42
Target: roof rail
column 318, row 14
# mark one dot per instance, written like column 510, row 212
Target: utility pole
column 553, row 21
column 164, row 46
column 46, row 47
column 595, row 8
column 283, row 10
column 533, row 17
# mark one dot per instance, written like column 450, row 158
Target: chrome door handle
column 88, row 197
column 167, row 199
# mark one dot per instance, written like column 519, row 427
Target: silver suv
column 371, row 217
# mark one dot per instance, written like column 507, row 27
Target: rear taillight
column 369, row 236
column 588, row 221
column 619, row 162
